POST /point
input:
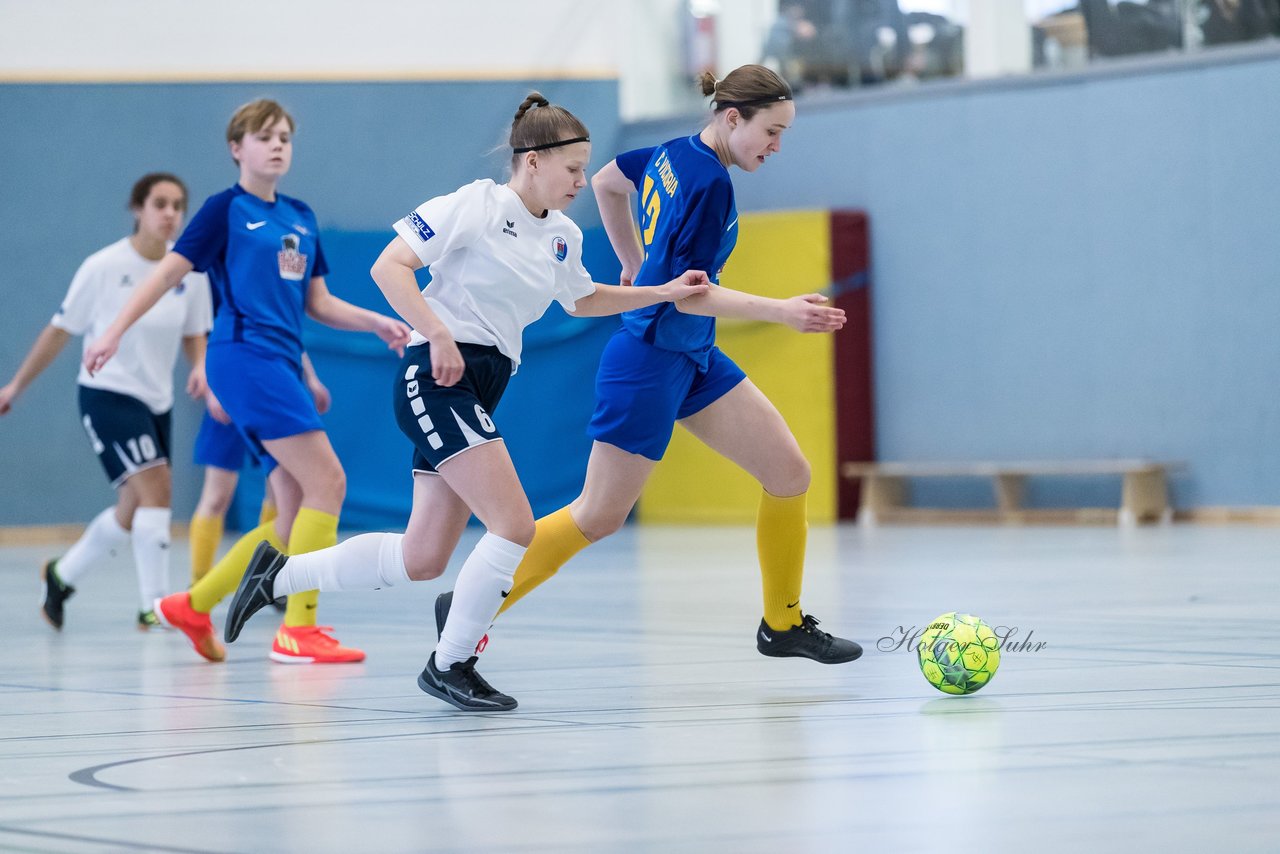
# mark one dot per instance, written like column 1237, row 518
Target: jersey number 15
column 651, row 205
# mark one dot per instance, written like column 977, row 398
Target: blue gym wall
column 365, row 154
column 1074, row 267
column 1080, row 266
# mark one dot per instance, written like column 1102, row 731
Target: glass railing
column 839, row 45
column 835, row 44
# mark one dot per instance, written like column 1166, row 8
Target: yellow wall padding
column 778, row 255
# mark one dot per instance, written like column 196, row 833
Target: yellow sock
column 312, row 530
column 782, row 527
column 221, row 581
column 555, row 540
column 206, row 533
column 268, row 512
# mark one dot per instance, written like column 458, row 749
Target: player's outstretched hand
column 97, row 354
column 394, row 332
column 446, row 362
column 808, row 313
column 689, row 284
column 8, row 394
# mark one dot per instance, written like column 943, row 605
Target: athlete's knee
column 791, row 477
column 327, row 485
column 214, row 505
column 597, row 525
column 153, row 488
column 424, row 565
column 338, row 482
column 517, row 530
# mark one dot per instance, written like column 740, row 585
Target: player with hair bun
column 662, row 367
column 499, row 255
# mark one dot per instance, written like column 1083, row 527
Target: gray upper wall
column 364, row 155
column 1063, row 267
column 1075, row 266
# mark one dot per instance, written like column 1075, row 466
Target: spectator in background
column 1225, row 21
column 790, row 38
column 821, row 43
column 1127, row 28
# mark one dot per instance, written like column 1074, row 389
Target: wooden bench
column 1144, row 492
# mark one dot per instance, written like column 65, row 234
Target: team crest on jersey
column 419, row 226
column 560, row 248
column 293, row 264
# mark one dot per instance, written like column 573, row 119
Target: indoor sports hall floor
column 1150, row 720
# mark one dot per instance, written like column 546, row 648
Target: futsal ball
column 958, row 653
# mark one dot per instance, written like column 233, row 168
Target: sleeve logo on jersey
column 293, row 264
column 560, row 248
column 419, row 226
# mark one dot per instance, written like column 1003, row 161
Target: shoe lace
column 476, row 683
column 321, row 634
column 809, row 623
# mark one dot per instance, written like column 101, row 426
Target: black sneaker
column 55, row 593
column 805, row 641
column 443, row 603
column 254, row 592
column 462, row 687
column 280, row 603
column 147, row 620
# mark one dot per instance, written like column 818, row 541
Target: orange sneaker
column 311, row 645
column 176, row 612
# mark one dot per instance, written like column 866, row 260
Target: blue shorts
column 220, row 445
column 125, row 434
column 642, row 391
column 263, row 393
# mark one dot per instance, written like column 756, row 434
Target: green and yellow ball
column 959, row 653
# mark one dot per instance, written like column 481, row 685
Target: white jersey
column 495, row 267
column 143, row 366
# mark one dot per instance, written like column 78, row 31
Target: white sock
column 477, row 596
column 364, row 562
column 101, row 540
column 151, row 553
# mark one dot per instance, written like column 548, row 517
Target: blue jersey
column 260, row 257
column 687, row 222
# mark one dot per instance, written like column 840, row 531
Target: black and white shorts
column 125, row 434
column 443, row 422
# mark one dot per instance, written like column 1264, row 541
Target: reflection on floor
column 648, row 722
